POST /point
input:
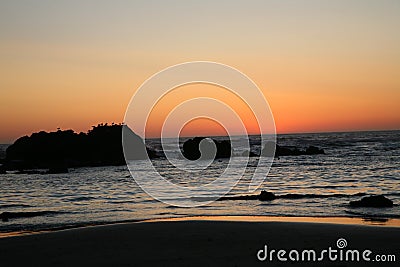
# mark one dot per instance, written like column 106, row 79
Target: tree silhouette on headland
column 62, row 149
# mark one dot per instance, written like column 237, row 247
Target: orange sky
column 321, row 66
column 200, row 126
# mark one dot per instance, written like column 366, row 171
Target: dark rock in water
column 248, row 154
column 245, row 197
column 313, row 150
column 269, row 149
column 57, row 170
column 191, row 149
column 5, row 216
column 2, row 170
column 60, row 150
column 373, row 201
column 134, row 147
column 19, row 165
column 289, row 151
column 31, row 172
column 302, row 196
column 204, row 147
column 58, row 167
column 268, row 196
column 263, row 196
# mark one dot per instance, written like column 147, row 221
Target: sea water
column 354, row 163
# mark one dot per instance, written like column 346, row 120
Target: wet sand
column 195, row 242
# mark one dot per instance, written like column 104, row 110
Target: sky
column 321, row 65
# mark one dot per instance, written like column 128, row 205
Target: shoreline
column 344, row 220
column 191, row 242
column 337, row 220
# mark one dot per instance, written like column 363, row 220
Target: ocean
column 354, row 164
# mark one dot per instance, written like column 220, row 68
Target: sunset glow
column 322, row 66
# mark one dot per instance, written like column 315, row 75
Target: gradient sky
column 322, row 65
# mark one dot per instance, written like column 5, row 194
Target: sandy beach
column 196, row 243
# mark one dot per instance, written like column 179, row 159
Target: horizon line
column 286, row 133
column 234, row 135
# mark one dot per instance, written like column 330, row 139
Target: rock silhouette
column 248, row 154
column 5, row 216
column 60, row 150
column 268, row 196
column 313, row 150
column 378, row 201
column 263, row 196
column 58, row 169
column 195, row 148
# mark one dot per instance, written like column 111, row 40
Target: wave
column 77, row 199
column 369, row 215
column 300, row 196
column 5, row 216
column 4, row 206
column 271, row 196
